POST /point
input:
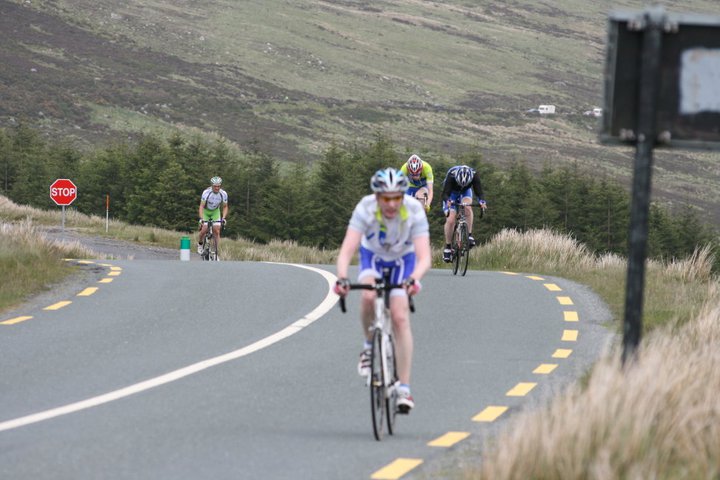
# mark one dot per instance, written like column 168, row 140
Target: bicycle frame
column 209, row 245
column 460, row 246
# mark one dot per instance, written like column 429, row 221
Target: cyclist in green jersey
column 420, row 177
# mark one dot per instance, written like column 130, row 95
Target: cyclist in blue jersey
column 459, row 184
column 391, row 230
column 212, row 201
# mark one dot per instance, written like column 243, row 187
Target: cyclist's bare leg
column 367, row 308
column 216, row 232
column 400, row 313
column 468, row 213
column 203, row 229
column 449, row 225
column 422, row 195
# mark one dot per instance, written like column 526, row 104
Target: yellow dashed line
column 490, row 414
column 535, row 277
column 113, row 274
column 87, row 292
column 552, row 287
column 545, row 368
column 565, row 301
column 562, row 353
column 105, row 280
column 521, row 389
column 449, row 439
column 84, row 262
column 116, row 269
column 396, row 469
column 570, row 336
column 570, row 316
column 58, row 305
column 15, row 320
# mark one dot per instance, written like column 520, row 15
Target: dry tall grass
column 29, row 262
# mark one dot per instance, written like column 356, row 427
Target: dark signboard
column 688, row 89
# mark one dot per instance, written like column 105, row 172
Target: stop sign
column 63, row 191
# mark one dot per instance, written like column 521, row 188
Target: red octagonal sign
column 63, row 191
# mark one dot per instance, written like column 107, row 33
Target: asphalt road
column 177, row 370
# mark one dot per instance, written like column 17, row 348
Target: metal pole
column 654, row 19
column 63, row 218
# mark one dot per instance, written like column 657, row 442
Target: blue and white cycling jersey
column 389, row 238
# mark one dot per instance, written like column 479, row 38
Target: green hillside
column 290, row 77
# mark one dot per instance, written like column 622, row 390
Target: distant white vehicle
column 542, row 110
column 595, row 112
column 546, row 109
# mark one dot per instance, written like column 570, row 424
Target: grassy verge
column 657, row 418
column 29, row 263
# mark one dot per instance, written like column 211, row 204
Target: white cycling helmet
column 414, row 165
column 389, row 180
column 463, row 176
column 216, row 181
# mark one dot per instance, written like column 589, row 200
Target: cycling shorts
column 413, row 190
column 213, row 215
column 456, row 197
column 371, row 265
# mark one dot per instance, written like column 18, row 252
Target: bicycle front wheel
column 457, row 246
column 391, row 396
column 464, row 253
column 206, row 249
column 213, row 249
column 377, row 385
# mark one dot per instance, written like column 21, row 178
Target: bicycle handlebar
column 377, row 287
column 455, row 206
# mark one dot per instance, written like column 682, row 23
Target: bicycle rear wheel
column 377, row 385
column 465, row 250
column 391, row 397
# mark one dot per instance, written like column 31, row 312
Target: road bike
column 460, row 242
column 210, row 245
column 383, row 379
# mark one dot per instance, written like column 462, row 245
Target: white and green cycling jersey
column 212, row 202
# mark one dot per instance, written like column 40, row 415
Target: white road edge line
column 293, row 328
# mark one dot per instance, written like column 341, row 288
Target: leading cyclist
column 420, row 176
column 211, row 201
column 459, row 184
column 391, row 230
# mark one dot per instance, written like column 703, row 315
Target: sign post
column 63, row 192
column 660, row 91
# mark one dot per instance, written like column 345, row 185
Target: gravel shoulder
column 109, row 249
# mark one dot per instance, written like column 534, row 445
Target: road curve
column 258, row 383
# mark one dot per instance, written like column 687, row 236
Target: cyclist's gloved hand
column 412, row 286
column 482, row 204
column 200, row 222
column 224, row 221
column 342, row 286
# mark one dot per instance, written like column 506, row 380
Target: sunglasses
column 390, row 199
